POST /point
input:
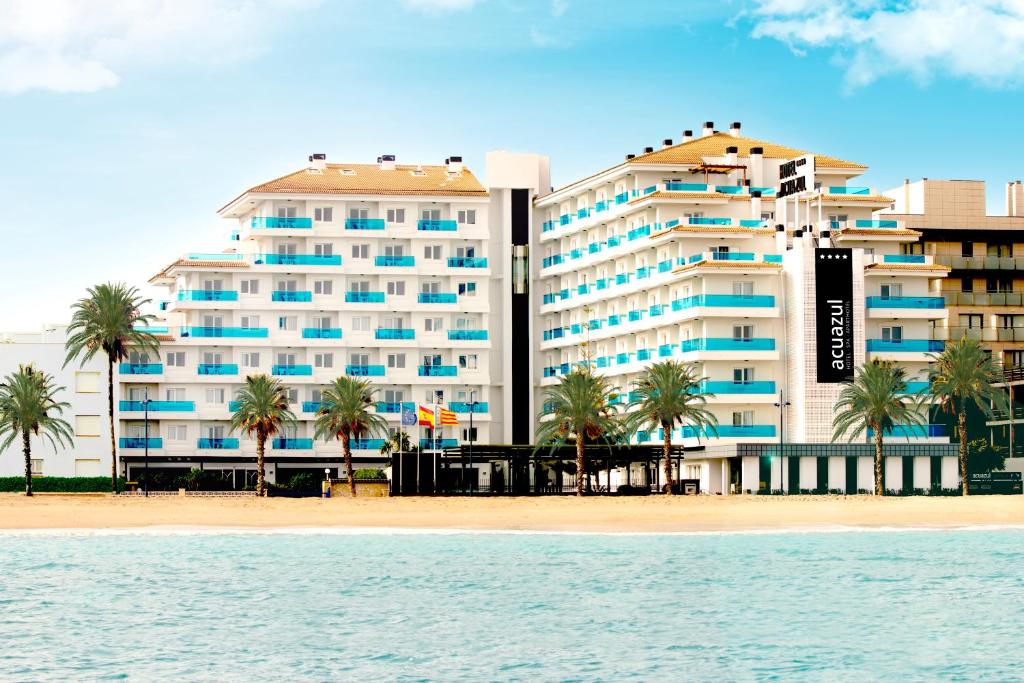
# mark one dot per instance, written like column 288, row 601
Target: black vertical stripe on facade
column 518, row 337
column 520, row 217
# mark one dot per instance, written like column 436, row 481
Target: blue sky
column 124, row 124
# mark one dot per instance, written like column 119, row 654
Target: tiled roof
column 667, row 194
column 191, row 263
column 714, row 145
column 847, row 198
column 908, row 266
column 728, row 264
column 877, row 231
column 715, row 228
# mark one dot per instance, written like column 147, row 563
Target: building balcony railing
column 438, row 371
column 436, row 298
column 321, row 333
column 917, row 387
column 842, row 189
column 465, row 407
column 157, row 406
column 296, row 260
column 727, row 344
column 393, row 407
column 365, row 444
column 387, row 261
column 930, row 302
column 233, row 406
column 467, row 262
column 217, row 368
column 292, row 443
column 981, row 262
column 311, row 406
column 364, row 370
column 434, row 444
column 140, row 442
column 217, row 332
column 724, row 300
column 436, row 225
column 904, row 258
column 364, row 223
column 291, row 370
column 984, row 298
column 728, row 431
column 913, row 431
column 207, row 295
column 141, row 368
column 395, row 333
column 467, row 335
column 218, row 443
column 723, row 387
column 281, row 222
column 291, row 296
column 904, row 346
column 874, row 224
column 983, row 334
column 364, row 297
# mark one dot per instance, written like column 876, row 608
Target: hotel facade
column 746, row 258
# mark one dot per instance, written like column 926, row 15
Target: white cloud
column 440, row 5
column 74, row 46
column 978, row 40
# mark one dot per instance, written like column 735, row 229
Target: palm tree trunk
column 27, row 449
column 879, row 484
column 667, row 447
column 346, row 452
column 261, row 477
column 961, row 428
column 110, row 417
column 580, row 465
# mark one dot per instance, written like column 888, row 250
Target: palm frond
column 28, row 404
column 263, row 407
column 670, row 393
column 878, row 399
column 108, row 320
column 345, row 411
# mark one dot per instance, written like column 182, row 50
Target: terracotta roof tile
column 714, row 145
column 370, row 179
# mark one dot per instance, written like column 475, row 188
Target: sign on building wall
column 833, row 290
column 796, row 176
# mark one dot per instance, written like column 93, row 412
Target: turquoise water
column 823, row 606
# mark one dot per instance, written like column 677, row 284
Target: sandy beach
column 653, row 514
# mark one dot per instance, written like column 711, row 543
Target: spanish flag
column 426, row 416
column 448, row 418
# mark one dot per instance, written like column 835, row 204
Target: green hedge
column 60, row 484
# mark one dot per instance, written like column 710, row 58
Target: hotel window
column 394, row 250
column 432, row 252
column 742, row 332
column 323, row 214
column 912, row 248
column 359, row 359
column 432, row 359
column 358, row 213
column 286, row 212
column 249, row 322
column 431, row 214
column 743, row 418
column 324, row 287
column 1013, row 359
column 137, row 358
column 967, row 284
column 286, row 359
column 435, row 395
column 213, row 358
column 87, row 382
column 972, row 320
column 288, row 322
column 323, row 360
column 467, row 216
column 1010, row 321
column 999, row 285
column 321, row 322
column 433, row 325
column 174, row 394
column 396, row 215
column 743, row 289
column 177, row 433
column 287, row 285
column 465, row 252
column 392, row 323
column 360, row 251
column 693, row 214
column 136, row 394
column 214, row 321
column 361, row 323
column 467, row 361
column 87, row 425
column 359, row 286
column 742, row 375
column 394, row 395
column 999, row 250
column 250, row 286
column 215, row 431
column 467, row 289
column 37, row 467
column 892, row 291
column 432, row 287
column 892, row 334
column 469, row 434
column 768, row 216
column 214, row 395
column 966, row 249
column 250, row 359
column 316, row 395
column 287, row 249
column 396, row 360
column 838, row 220
column 323, row 249
column 396, row 288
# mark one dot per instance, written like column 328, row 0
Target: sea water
column 390, row 606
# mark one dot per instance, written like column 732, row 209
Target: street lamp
column 781, row 405
column 472, row 409
column 145, row 417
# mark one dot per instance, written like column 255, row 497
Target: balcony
column 705, row 220
column 218, row 332
column 840, row 189
column 291, row 296
column 158, row 406
column 292, row 444
column 467, row 335
column 394, row 261
column 395, row 333
column 904, row 346
column 981, row 262
column 564, row 219
column 464, row 407
column 717, row 387
column 929, row 302
column 436, row 298
column 280, row 222
column 364, row 370
column 872, row 224
column 207, row 295
column 311, row 406
column 436, row 226
column 917, row 387
column 291, row 370
column 365, row 444
column 733, row 432
column 685, row 187
column 904, row 258
column 364, row 223
column 984, row 298
column 727, row 344
column 437, row 371
column 296, row 260
column 913, row 431
column 140, row 442
column 394, row 407
column 467, row 262
column 218, row 443
column 364, row 297
column 217, row 368
column 724, row 300
column 233, row 406
column 548, row 226
column 141, row 368
column 321, row 333
column 434, row 444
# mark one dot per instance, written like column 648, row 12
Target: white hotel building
column 438, row 288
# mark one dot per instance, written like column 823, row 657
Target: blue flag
column 408, row 417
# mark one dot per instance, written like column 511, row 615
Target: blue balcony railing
column 863, row 223
column 903, row 258
column 207, row 295
column 719, row 387
column 686, row 187
column 549, row 298
column 436, row 226
column 394, row 333
column 467, row 262
column 564, row 219
column 437, row 371
column 841, row 189
column 291, row 370
column 366, row 444
column 292, row 443
column 158, row 406
column 583, row 213
column 724, row 300
column 217, row 443
column 622, row 198
column 548, row 226
column 904, row 346
column 364, row 223
column 392, row 407
column 765, row 191
column 394, row 261
column 727, row 344
column 436, row 298
column 433, row 444
column 706, row 220
column 142, row 368
column 364, row 370
column 467, row 335
column 311, row 406
column 288, row 296
column 731, row 431
column 282, row 222
column 140, row 442
column 296, row 260
column 917, row 387
column 643, row 354
column 929, row 302
column 364, row 297
column 913, row 431
column 465, row 407
column 233, row 406
column 217, row 332
column 321, row 333
column 217, row 368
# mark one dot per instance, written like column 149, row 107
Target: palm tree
column 107, row 320
column 262, row 411
column 399, row 442
column 876, row 400
column 963, row 374
column 344, row 413
column 667, row 393
column 28, row 406
column 579, row 409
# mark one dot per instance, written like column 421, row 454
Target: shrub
column 627, row 490
column 304, row 482
column 202, row 480
column 60, row 484
column 368, row 473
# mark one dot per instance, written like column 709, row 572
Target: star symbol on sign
column 846, row 256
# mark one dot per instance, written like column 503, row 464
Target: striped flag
column 448, row 418
column 426, row 416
